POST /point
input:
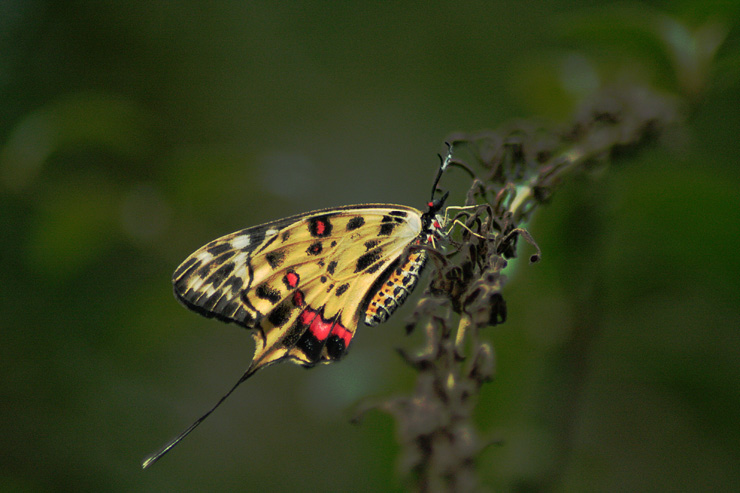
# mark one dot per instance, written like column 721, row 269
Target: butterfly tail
column 158, row 455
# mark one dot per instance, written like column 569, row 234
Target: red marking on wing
column 342, row 333
column 307, row 316
column 320, row 227
column 298, row 299
column 292, row 279
column 318, row 327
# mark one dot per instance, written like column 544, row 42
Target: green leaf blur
column 132, row 133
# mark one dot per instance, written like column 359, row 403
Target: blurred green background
column 132, row 133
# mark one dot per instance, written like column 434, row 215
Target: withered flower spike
column 521, row 167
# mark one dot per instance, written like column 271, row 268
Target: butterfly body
column 394, row 290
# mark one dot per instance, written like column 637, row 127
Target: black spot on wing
column 226, row 306
column 311, row 347
column 399, row 213
column 368, row 259
column 267, row 293
column 369, row 245
column 387, row 228
column 284, row 237
column 335, row 347
column 355, row 223
column 280, row 315
column 186, row 268
column 233, row 283
column 205, row 270
column 331, row 267
column 315, row 248
column 221, row 274
column 218, row 248
column 207, row 303
column 342, row 289
column 320, row 226
column 255, row 238
column 275, row 258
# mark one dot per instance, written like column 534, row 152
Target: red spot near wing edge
column 342, row 333
column 320, row 228
column 320, row 328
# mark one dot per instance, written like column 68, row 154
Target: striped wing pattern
column 305, row 282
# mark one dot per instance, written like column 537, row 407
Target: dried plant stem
column 521, row 168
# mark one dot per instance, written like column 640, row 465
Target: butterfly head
column 432, row 221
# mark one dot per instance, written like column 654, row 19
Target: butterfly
column 304, row 283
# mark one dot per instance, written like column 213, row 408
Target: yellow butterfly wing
column 302, row 282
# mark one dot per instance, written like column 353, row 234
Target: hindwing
column 300, row 282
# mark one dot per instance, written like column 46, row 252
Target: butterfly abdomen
column 393, row 291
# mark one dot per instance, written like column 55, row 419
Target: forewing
column 212, row 279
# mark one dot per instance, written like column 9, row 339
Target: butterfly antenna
column 158, row 455
column 443, row 164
